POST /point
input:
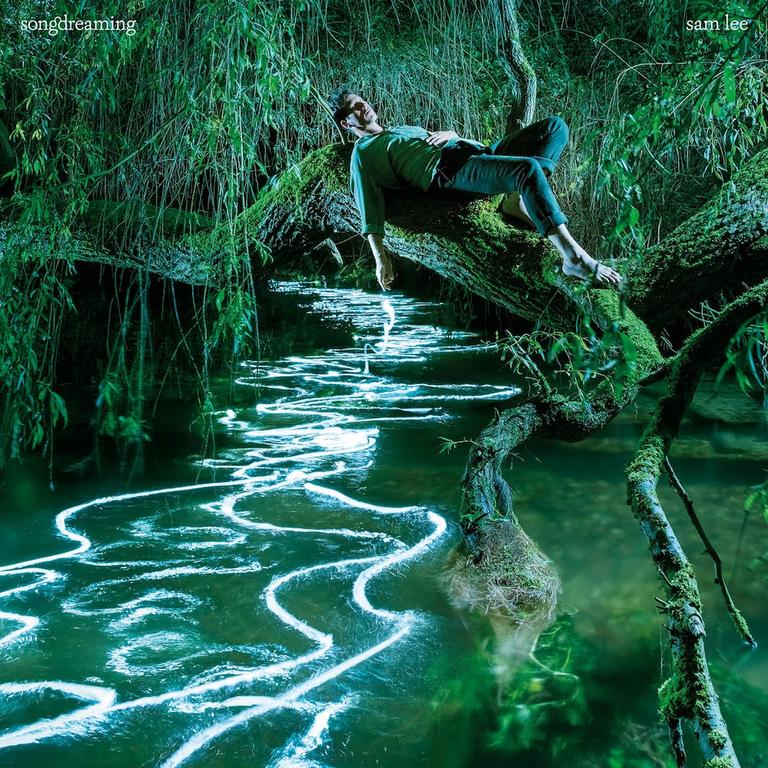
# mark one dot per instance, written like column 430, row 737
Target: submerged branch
column 738, row 619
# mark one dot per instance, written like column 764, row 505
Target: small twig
column 669, row 583
column 741, row 625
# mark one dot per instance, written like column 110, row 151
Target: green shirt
column 398, row 157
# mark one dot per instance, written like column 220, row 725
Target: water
column 288, row 608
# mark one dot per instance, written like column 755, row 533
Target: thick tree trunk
column 717, row 249
column 463, row 239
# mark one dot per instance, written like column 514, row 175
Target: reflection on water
column 290, row 612
column 145, row 574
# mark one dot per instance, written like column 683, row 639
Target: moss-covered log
column 458, row 236
column 721, row 246
column 463, row 239
column 163, row 241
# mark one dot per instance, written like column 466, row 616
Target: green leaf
column 729, row 83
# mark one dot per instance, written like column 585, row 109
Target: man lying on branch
column 409, row 156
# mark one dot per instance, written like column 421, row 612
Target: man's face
column 360, row 113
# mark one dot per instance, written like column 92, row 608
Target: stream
column 283, row 604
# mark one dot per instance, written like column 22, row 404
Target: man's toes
column 606, row 275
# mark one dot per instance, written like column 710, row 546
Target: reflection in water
column 275, row 547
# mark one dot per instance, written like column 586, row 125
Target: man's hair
column 338, row 104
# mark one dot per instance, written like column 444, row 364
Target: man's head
column 352, row 112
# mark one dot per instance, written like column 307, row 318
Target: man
column 410, row 156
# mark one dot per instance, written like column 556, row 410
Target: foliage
column 193, row 114
column 661, row 115
column 35, row 298
column 757, row 499
column 747, row 356
column 579, row 359
column 536, row 709
column 176, row 115
column 545, row 692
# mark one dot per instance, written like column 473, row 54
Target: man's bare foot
column 578, row 263
column 512, row 205
column 586, row 268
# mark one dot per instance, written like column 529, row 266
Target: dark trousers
column 520, row 162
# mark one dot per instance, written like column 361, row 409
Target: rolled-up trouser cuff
column 550, row 222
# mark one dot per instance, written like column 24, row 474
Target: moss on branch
column 717, row 247
column 689, row 693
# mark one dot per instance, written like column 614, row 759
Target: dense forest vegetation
column 190, row 160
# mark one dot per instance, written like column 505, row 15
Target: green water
column 295, row 614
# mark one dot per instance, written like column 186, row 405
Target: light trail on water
column 322, row 424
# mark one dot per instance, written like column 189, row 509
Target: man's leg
column 543, row 140
column 492, row 174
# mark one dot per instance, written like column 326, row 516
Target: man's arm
column 370, row 203
column 385, row 271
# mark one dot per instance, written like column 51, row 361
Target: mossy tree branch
column 688, row 694
column 463, row 239
column 487, row 499
column 520, row 70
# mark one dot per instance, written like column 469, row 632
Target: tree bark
column 717, row 249
column 521, row 73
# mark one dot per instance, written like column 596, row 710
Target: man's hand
column 438, row 138
column 385, row 270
